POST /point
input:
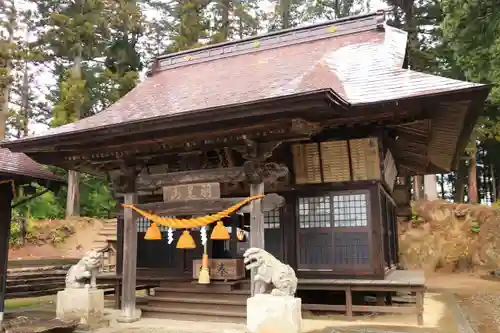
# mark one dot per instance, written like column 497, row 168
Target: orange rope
column 193, row 222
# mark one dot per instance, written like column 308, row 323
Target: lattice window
column 314, row 212
column 350, row 210
column 272, row 219
column 143, row 224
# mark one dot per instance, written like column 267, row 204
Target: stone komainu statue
column 270, row 270
column 84, row 273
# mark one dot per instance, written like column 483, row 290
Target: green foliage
column 331, row 10
column 73, row 94
column 476, row 228
column 472, row 30
column 37, row 233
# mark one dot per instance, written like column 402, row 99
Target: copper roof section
column 359, row 59
column 20, row 165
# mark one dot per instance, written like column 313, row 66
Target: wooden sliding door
column 334, row 232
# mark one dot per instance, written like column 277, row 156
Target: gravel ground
column 482, row 311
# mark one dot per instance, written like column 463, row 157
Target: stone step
column 184, row 313
column 201, row 304
column 106, row 232
column 230, row 297
column 201, row 290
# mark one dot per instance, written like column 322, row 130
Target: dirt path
column 478, row 298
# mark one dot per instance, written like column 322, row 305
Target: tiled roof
column 18, row 164
column 359, row 59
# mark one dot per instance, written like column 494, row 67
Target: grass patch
column 31, row 302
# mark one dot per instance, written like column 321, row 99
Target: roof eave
column 225, row 112
column 476, row 108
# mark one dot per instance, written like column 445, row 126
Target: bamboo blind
column 365, row 159
column 335, row 160
column 306, row 163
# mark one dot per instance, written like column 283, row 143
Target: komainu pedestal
column 85, row 305
column 278, row 311
column 81, row 300
column 267, row 313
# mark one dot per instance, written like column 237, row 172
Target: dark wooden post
column 257, row 171
column 129, row 259
column 119, row 238
column 129, row 264
column 5, row 220
column 256, row 224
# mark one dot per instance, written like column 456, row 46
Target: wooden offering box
column 222, row 269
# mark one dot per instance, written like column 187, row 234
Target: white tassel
column 203, row 234
column 170, row 235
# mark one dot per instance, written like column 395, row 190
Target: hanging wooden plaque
column 306, row 163
column 390, row 170
column 365, row 159
column 191, row 192
column 221, row 269
column 335, row 161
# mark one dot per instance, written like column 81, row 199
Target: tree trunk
column 25, row 101
column 494, row 190
column 430, row 187
column 441, row 185
column 460, row 182
column 418, row 190
column 5, row 82
column 73, row 197
column 225, row 24
column 472, row 188
column 285, row 13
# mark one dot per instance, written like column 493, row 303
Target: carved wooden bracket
column 257, row 151
column 258, row 172
column 305, row 127
column 124, row 182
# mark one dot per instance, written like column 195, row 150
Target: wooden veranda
column 162, row 290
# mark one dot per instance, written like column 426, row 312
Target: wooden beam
column 269, row 203
column 269, row 171
column 5, row 221
column 220, row 175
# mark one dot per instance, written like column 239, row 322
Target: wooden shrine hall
column 18, row 171
column 322, row 120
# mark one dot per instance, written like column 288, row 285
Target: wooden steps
column 217, row 302
column 106, row 234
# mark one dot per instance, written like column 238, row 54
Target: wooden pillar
column 257, row 172
column 5, row 220
column 256, row 223
column 119, row 238
column 129, row 267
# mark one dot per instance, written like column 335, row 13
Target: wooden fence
column 34, row 278
column 35, row 281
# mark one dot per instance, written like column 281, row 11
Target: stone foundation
column 267, row 313
column 85, row 305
